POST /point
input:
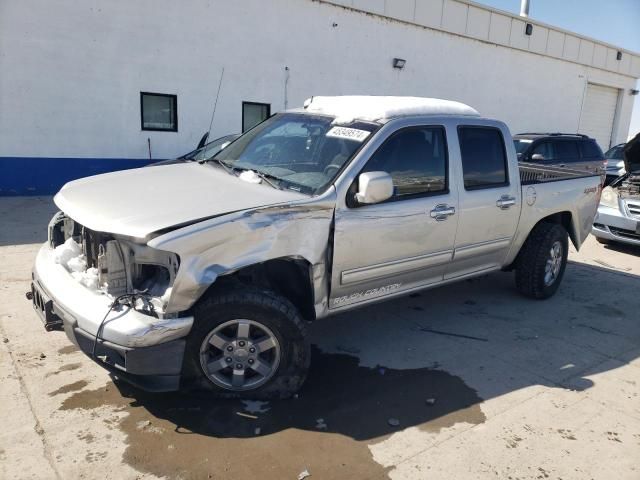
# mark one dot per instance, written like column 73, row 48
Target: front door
column 489, row 202
column 406, row 241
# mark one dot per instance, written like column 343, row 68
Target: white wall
column 71, row 74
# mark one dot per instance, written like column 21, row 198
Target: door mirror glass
column 374, row 187
column 537, row 157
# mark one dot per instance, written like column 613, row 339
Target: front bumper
column 611, row 224
column 139, row 348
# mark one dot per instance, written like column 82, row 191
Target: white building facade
column 75, row 74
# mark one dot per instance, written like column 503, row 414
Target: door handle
column 442, row 212
column 505, row 201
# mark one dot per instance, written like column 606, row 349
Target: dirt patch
column 191, row 436
column 68, row 349
column 72, row 387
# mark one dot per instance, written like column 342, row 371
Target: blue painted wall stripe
column 45, row 176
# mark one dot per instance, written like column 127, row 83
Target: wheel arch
column 291, row 277
column 564, row 218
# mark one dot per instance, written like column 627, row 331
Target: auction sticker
column 348, row 133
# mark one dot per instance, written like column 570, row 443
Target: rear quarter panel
column 578, row 197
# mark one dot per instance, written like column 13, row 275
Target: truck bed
column 532, row 173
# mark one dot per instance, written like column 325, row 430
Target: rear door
column 406, row 241
column 489, row 200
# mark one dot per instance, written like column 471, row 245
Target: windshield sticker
column 348, row 133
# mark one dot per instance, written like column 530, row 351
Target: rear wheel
column 247, row 344
column 542, row 261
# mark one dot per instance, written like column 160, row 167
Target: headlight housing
column 609, row 198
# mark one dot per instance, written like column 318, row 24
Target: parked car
column 615, row 163
column 205, row 275
column 560, row 149
column 618, row 217
column 201, row 153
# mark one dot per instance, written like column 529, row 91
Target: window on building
column 254, row 113
column 159, row 111
column 484, row 161
column 416, row 159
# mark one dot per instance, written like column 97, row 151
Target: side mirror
column 537, row 157
column 374, row 187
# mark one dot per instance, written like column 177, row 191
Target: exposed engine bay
column 628, row 186
column 114, row 265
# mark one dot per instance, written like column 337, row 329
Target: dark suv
column 560, row 149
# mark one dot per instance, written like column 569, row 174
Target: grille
column 623, row 232
column 634, row 209
column 39, row 302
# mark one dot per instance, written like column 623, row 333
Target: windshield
column 297, row 151
column 210, row 149
column 521, row 144
column 614, row 153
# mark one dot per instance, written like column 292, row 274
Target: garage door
column 598, row 113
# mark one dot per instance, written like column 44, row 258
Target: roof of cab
column 348, row 108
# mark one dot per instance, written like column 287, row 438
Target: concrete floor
column 527, row 390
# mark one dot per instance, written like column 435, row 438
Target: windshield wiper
column 266, row 176
column 228, row 168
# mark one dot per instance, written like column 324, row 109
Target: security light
column 528, row 30
column 619, row 55
column 399, row 63
column 634, row 91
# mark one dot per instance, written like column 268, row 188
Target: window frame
column 507, row 172
column 412, row 196
column 174, row 97
column 261, row 104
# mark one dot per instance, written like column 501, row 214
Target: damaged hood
column 631, row 155
column 139, row 202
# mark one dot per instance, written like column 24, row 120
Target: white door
column 598, row 113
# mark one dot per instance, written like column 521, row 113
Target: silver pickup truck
column 205, row 275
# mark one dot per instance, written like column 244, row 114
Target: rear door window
column 484, row 158
column 566, row 151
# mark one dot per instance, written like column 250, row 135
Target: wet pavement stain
column 195, row 436
column 65, row 368
column 72, row 387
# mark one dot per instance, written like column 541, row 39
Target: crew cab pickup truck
column 205, row 275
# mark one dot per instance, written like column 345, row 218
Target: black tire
column 265, row 308
column 533, row 257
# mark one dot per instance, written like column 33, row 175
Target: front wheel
column 247, row 344
column 542, row 261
